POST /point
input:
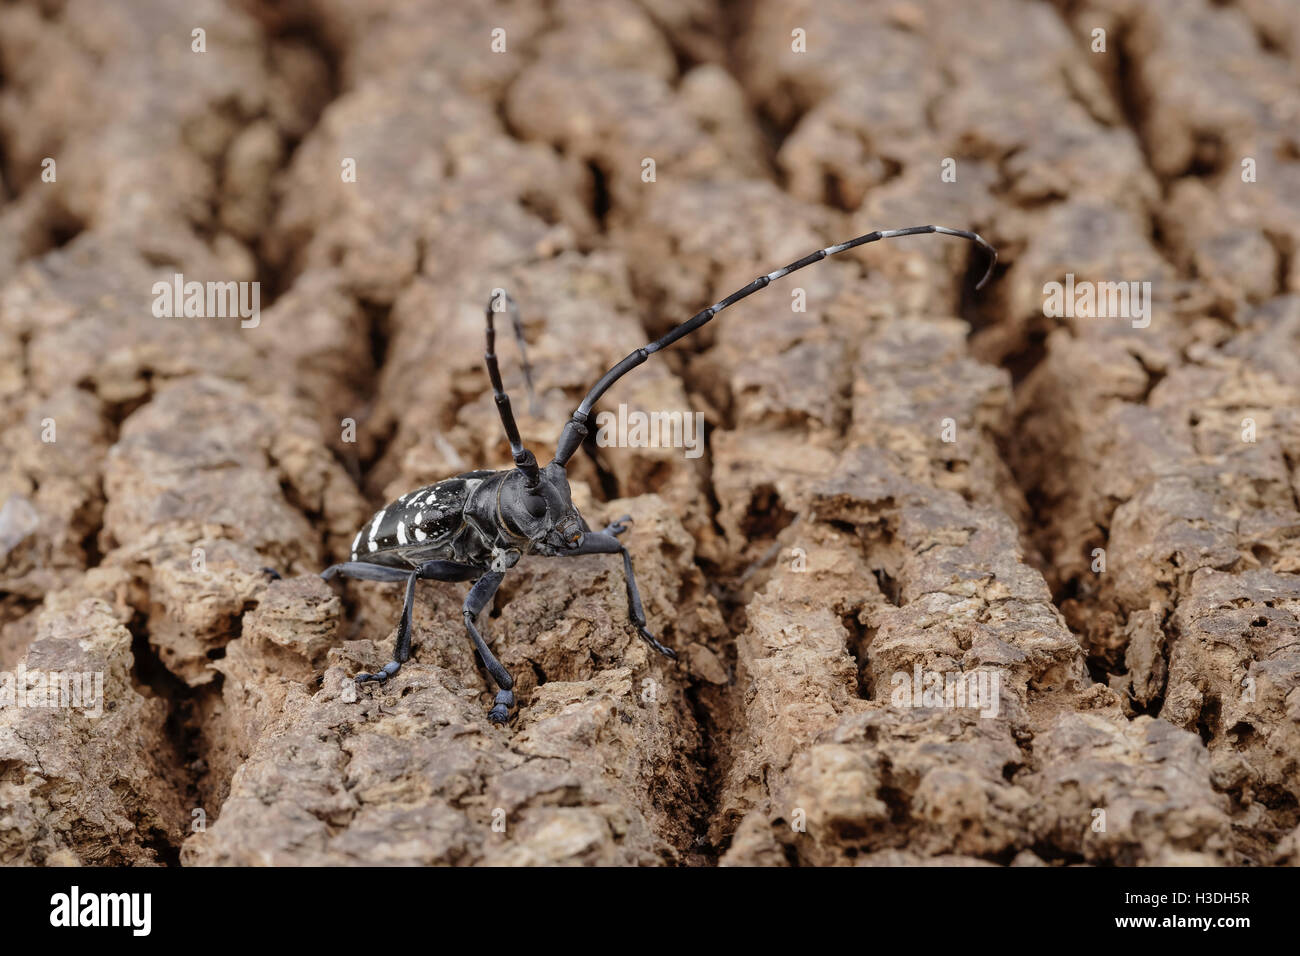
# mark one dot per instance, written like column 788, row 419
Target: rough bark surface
column 1097, row 520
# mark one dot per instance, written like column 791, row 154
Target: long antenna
column 525, row 461
column 576, row 427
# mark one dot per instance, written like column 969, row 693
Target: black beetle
column 477, row 525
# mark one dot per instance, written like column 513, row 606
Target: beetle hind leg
column 363, row 571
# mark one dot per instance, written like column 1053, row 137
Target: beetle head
column 544, row 515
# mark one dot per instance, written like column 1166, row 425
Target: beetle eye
column 536, row 505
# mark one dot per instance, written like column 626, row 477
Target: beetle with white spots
column 476, row 526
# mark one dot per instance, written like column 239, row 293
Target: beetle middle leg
column 477, row 599
column 606, row 542
column 402, row 652
column 430, row 571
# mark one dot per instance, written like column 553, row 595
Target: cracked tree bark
column 1097, row 520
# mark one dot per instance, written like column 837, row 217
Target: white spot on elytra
column 401, row 532
column 374, row 529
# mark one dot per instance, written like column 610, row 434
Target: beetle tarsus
column 653, row 642
column 500, row 711
column 619, row 526
column 389, row 669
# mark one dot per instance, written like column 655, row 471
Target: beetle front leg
column 604, row 542
column 477, row 599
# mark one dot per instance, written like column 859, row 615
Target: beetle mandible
column 477, row 525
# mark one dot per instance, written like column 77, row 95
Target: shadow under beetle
column 477, row 525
